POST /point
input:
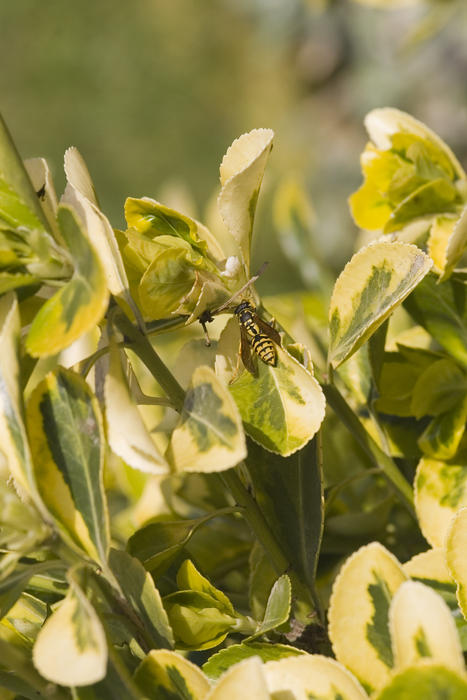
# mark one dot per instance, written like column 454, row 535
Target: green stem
column 256, row 520
column 379, row 458
column 139, row 343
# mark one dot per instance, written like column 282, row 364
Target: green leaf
column 222, row 660
column 440, row 309
column 428, row 682
column 422, row 627
column 376, row 280
column 209, row 435
column 157, row 544
column 199, row 620
column 15, row 180
column 456, row 543
column 241, row 173
column 312, row 676
column 438, row 389
column 71, row 648
column 440, row 490
column 139, row 590
column 433, row 197
column 127, row 434
column 359, row 613
column 79, row 305
column 166, row 674
column 442, row 436
column 189, row 578
column 68, row 447
column 295, row 407
column 290, row 494
column 277, row 608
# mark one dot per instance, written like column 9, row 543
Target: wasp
column 256, row 336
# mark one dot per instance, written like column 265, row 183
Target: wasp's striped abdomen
column 264, row 348
column 260, row 343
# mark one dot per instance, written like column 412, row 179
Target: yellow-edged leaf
column 71, row 648
column 440, row 490
column 456, row 547
column 376, row 280
column 79, row 305
column 359, row 613
column 127, row 434
column 244, row 678
column 422, row 627
column 241, row 173
column 429, row 566
column 163, row 672
column 312, row 676
column 209, row 436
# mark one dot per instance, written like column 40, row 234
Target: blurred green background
column 152, row 92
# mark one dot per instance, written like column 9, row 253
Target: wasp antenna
column 251, row 281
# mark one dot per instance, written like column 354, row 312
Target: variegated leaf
column 67, row 444
column 455, row 246
column 431, row 569
column 456, row 547
column 71, row 648
column 376, row 280
column 312, row 676
column 218, row 663
column 384, row 122
column 241, row 173
column 359, row 613
column 41, row 178
column 294, row 409
column 440, row 490
column 163, row 673
column 81, row 196
column 76, row 307
column 209, row 436
column 245, row 677
column 127, row 434
column 422, row 627
column 13, row 438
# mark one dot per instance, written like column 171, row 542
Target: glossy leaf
column 67, row 443
column 164, row 673
column 290, row 494
column 127, row 434
column 438, row 389
column 218, row 663
column 139, row 590
column 422, row 627
column 359, row 613
column 209, row 435
column 440, row 490
column 312, row 676
column 375, row 281
column 241, row 173
column 71, row 648
column 76, row 307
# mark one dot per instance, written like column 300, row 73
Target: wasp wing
column 246, row 353
column 268, row 330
